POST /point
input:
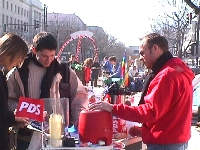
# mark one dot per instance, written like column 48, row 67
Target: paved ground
column 194, row 143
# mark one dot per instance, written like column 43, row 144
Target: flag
column 30, row 108
column 124, row 72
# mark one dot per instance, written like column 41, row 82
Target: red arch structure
column 79, row 35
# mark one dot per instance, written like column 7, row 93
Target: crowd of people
column 91, row 69
column 33, row 74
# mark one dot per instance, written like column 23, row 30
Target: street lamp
column 45, row 17
column 178, row 37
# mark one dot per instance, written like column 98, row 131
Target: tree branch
column 193, row 6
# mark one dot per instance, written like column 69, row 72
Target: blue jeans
column 180, row 146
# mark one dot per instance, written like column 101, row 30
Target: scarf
column 52, row 70
column 165, row 57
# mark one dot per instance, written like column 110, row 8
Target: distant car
column 141, row 73
column 196, row 99
column 196, row 70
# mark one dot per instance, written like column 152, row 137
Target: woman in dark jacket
column 12, row 53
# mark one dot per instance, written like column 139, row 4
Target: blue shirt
column 107, row 66
column 116, row 71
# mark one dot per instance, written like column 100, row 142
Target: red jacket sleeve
column 87, row 71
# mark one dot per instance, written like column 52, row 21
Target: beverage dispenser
column 117, row 95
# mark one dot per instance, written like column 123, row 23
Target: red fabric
column 166, row 114
column 87, row 73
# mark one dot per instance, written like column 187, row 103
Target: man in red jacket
column 165, row 107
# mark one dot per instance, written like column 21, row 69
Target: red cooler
column 95, row 126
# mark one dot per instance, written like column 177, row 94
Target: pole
column 45, row 17
column 179, row 40
column 197, row 42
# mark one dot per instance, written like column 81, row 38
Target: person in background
column 72, row 61
column 37, row 78
column 132, row 71
column 116, row 67
column 76, row 66
column 138, row 83
column 95, row 70
column 87, row 70
column 131, row 75
column 145, row 75
column 13, row 50
column 106, row 67
column 167, row 93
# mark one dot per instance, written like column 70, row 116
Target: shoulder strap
column 66, row 72
column 65, row 79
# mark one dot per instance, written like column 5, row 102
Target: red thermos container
column 95, row 126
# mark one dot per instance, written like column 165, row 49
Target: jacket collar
column 165, row 57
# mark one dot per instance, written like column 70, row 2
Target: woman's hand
column 23, row 121
column 101, row 106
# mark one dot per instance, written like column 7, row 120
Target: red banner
column 30, row 108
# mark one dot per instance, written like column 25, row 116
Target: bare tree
column 195, row 6
column 173, row 24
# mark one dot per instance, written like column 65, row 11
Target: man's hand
column 101, row 106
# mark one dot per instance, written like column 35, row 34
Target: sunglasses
column 142, row 53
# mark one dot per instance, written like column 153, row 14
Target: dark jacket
column 95, row 69
column 7, row 118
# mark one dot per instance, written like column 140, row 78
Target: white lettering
column 115, row 126
column 31, row 108
column 38, row 110
column 23, row 105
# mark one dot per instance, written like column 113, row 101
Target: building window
column 27, row 13
column 21, row 25
column 18, row 10
column 15, row 9
column 15, row 24
column 22, row 11
column 7, row 5
column 11, row 7
column 11, row 20
column 3, row 3
column 18, row 24
column 6, row 19
column 3, row 19
column 136, row 52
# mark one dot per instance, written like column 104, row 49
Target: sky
column 127, row 20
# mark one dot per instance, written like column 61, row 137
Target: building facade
column 23, row 17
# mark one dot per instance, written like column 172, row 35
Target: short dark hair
column 106, row 57
column 44, row 40
column 73, row 56
column 112, row 58
column 156, row 38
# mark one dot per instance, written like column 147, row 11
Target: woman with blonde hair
column 87, row 70
column 13, row 51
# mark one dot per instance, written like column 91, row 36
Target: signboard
column 30, row 108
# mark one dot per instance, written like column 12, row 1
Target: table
column 134, row 143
